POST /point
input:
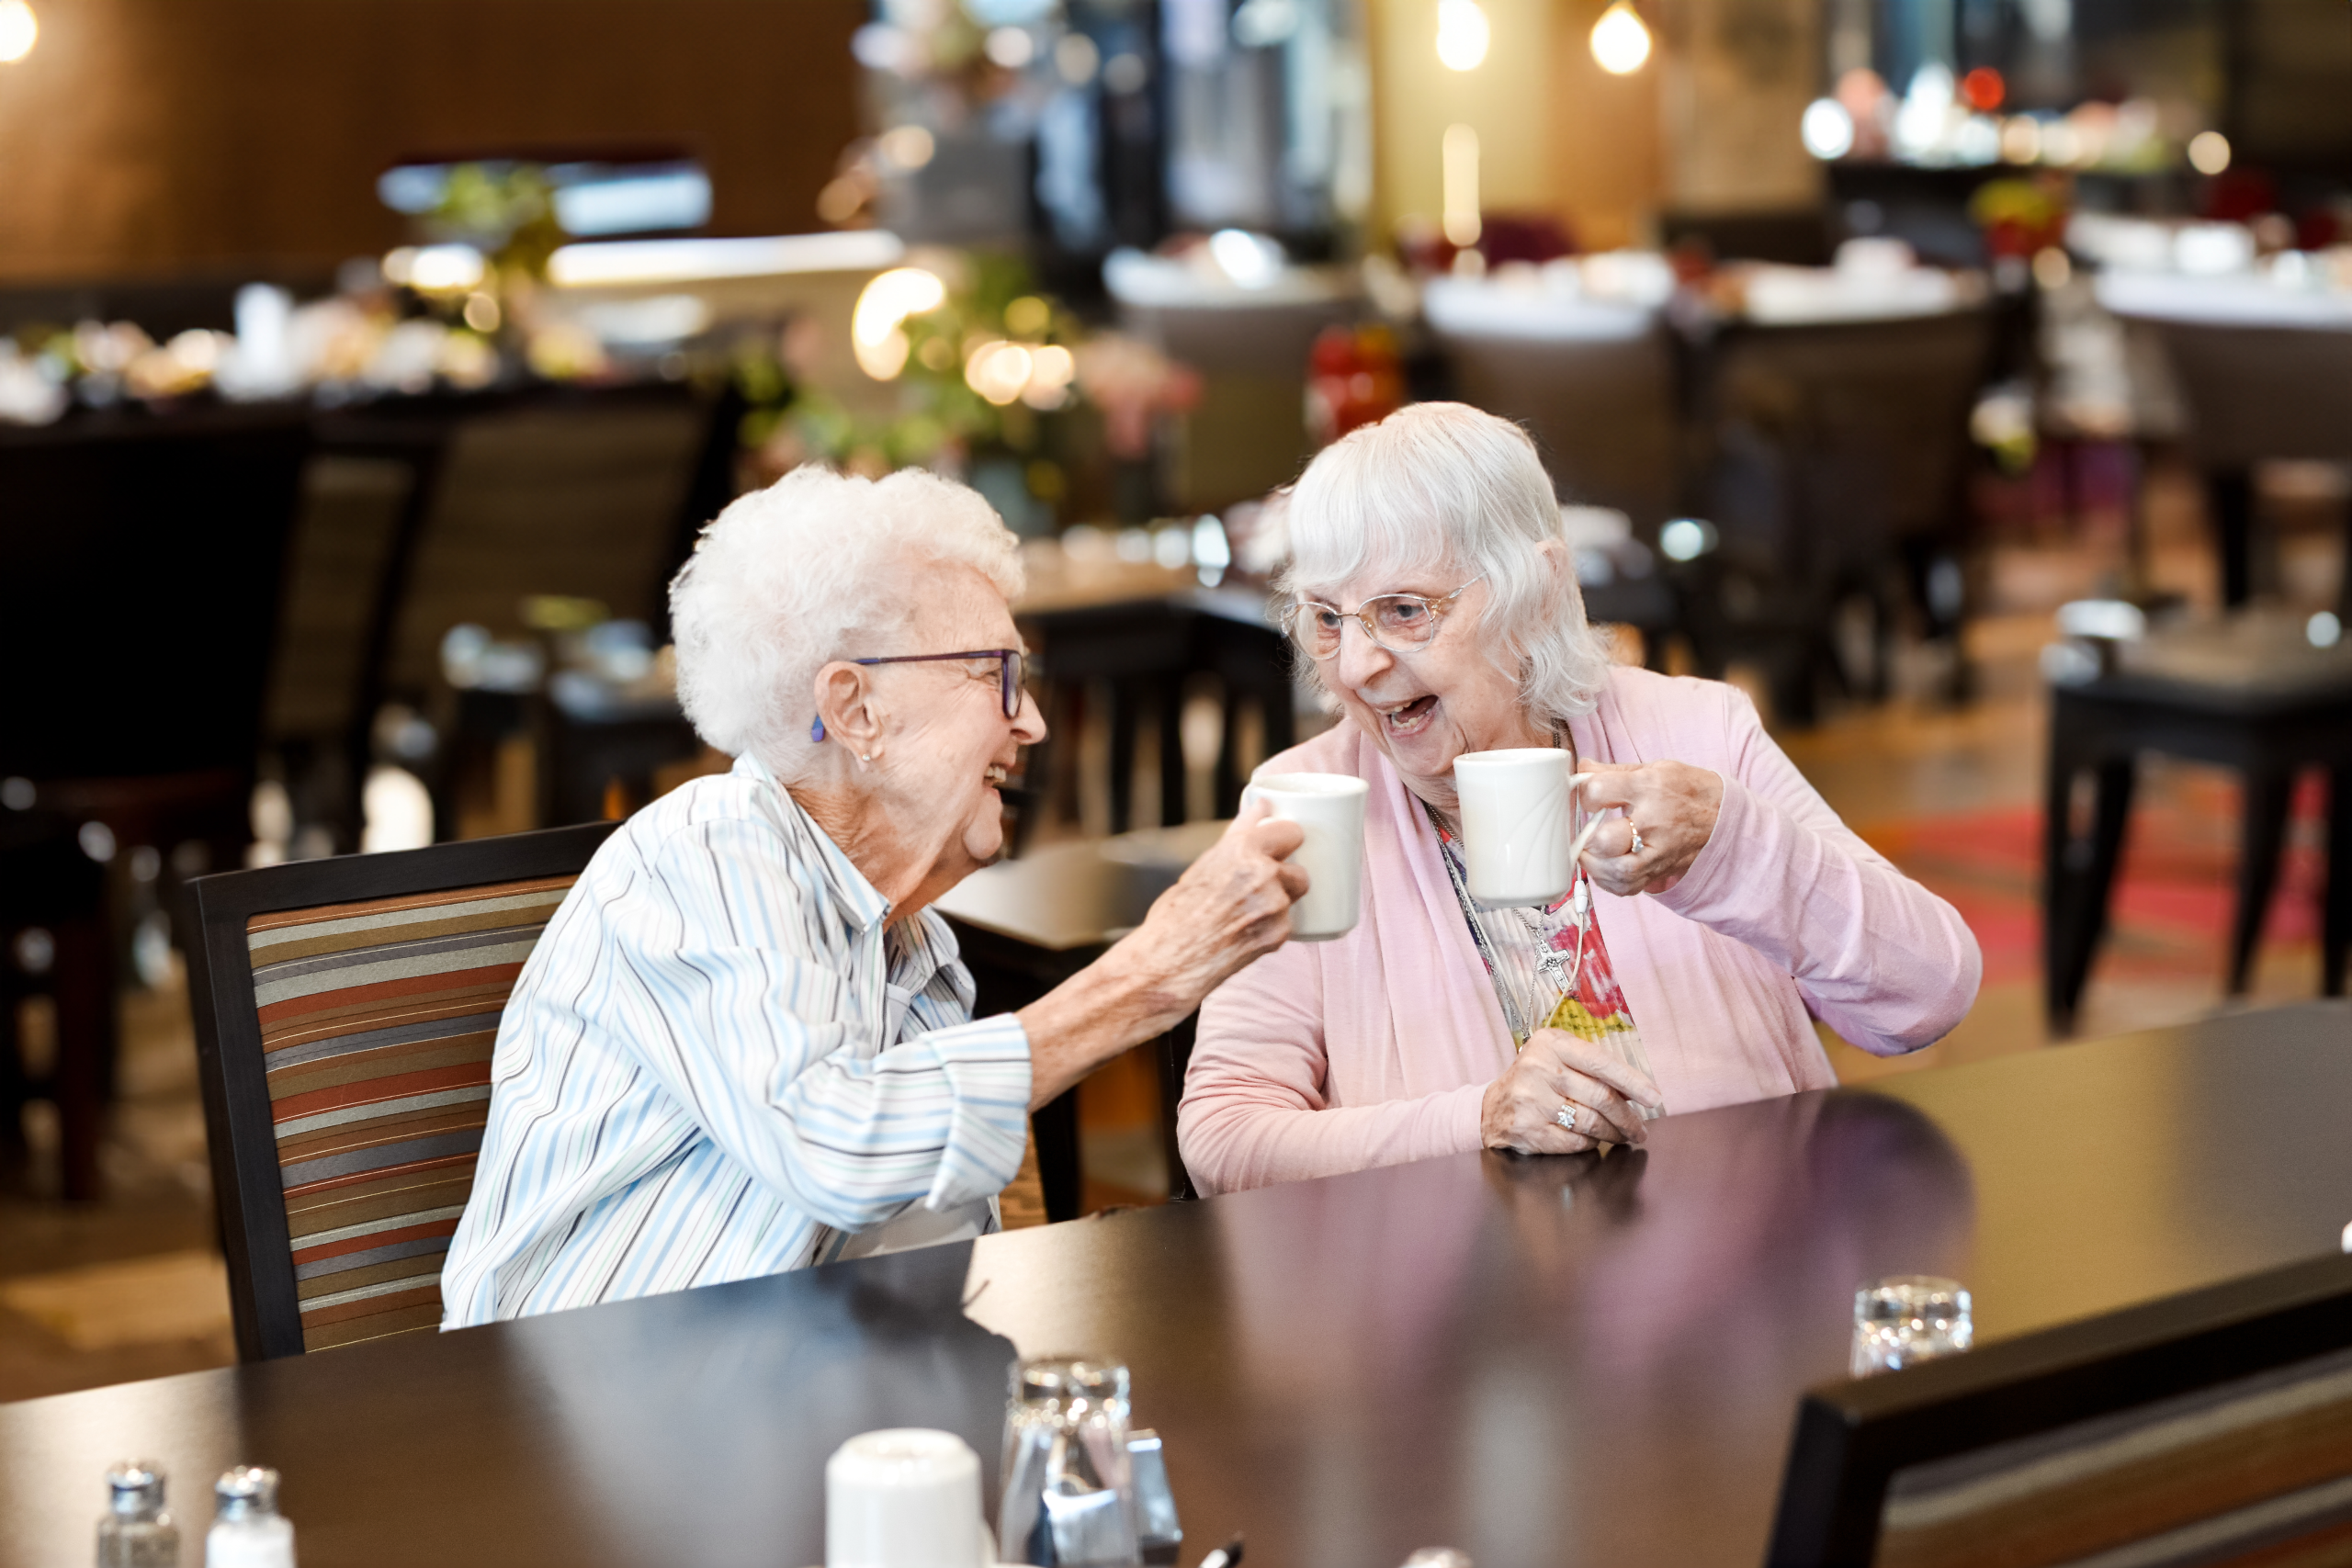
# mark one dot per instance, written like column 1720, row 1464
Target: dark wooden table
column 1569, row 1360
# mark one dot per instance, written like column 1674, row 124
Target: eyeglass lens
column 1397, row 622
column 1012, row 668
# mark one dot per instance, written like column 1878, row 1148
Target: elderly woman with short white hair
column 1720, row 908
column 744, row 1044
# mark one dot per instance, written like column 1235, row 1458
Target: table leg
column 1059, row 1170
column 2268, row 792
column 2229, row 493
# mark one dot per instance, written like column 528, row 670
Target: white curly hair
column 1448, row 487
column 816, row 567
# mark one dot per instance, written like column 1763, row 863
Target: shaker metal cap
column 1056, row 1378
column 135, row 1486
column 248, row 1492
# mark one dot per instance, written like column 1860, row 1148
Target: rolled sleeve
column 986, row 1064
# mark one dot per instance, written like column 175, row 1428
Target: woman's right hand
column 1229, row 908
column 1555, row 1071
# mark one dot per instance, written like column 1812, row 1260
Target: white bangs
column 1446, row 486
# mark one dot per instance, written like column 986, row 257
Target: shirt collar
column 856, row 897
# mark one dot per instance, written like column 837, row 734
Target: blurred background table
column 1529, row 1360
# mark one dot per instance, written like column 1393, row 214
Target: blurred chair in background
column 55, row 941
column 345, row 1012
column 2255, row 393
column 140, row 572
column 1247, row 435
column 1836, row 460
column 2251, row 693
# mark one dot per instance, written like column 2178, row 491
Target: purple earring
column 816, row 730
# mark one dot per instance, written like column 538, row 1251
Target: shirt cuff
column 987, row 1066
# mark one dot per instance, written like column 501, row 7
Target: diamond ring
column 1638, row 845
column 1566, row 1116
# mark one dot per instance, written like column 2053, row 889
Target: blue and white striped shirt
column 718, row 1056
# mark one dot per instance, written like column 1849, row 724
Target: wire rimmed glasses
column 1400, row 623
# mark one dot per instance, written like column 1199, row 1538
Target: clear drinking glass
column 1908, row 1318
column 1068, row 1486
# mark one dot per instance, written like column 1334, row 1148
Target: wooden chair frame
column 248, row 1187
column 1852, row 1437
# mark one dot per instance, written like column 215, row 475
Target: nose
column 1360, row 659
column 1029, row 723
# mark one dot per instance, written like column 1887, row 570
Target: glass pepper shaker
column 136, row 1533
column 1069, row 1482
column 247, row 1529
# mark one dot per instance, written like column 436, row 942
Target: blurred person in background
column 1715, row 915
column 745, row 1043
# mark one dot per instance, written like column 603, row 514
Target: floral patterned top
column 1549, row 965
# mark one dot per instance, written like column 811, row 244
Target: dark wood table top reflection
column 1539, row 1362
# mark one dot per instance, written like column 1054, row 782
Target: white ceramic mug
column 904, row 1497
column 1330, row 807
column 1518, row 828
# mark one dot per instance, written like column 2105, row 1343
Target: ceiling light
column 1620, row 41
column 18, row 29
column 1461, row 34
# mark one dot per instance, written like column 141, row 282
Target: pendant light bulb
column 18, row 29
column 1621, row 43
column 1461, row 34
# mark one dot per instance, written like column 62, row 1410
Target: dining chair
column 2201, row 1428
column 345, row 1011
column 1836, row 462
column 140, row 572
column 2248, row 693
column 2253, row 394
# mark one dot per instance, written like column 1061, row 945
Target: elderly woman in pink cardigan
column 1720, row 908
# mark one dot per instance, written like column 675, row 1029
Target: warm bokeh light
column 2209, row 153
column 1460, row 198
column 998, row 370
column 874, row 326
column 1461, row 34
column 1620, row 41
column 19, row 28
column 1983, row 89
column 2021, row 139
column 905, row 146
column 1826, row 129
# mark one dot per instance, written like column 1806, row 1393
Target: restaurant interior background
column 366, row 367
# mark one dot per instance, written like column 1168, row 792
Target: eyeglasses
column 1401, row 623
column 1009, row 661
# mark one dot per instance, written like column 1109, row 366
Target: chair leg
column 83, row 1078
column 1172, row 780
column 1123, row 697
column 2081, row 874
column 2267, row 793
column 2335, row 931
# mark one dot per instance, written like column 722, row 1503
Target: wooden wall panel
column 146, row 136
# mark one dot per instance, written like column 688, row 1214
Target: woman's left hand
column 1672, row 804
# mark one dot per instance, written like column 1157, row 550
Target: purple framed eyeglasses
column 1009, row 667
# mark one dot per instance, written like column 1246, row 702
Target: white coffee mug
column 1330, row 807
column 1518, row 832
column 904, row 1497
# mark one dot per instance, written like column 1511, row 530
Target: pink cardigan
column 1377, row 1048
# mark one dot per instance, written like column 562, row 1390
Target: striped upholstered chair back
column 347, row 1009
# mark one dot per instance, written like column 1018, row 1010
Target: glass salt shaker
column 136, row 1533
column 1068, row 1481
column 247, row 1529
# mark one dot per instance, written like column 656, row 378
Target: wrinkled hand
column 1673, row 804
column 1556, row 1069
column 1230, row 908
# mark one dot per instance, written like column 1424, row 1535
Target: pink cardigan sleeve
column 1254, row 1110
column 1877, row 957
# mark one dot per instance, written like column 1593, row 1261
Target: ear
column 845, row 706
